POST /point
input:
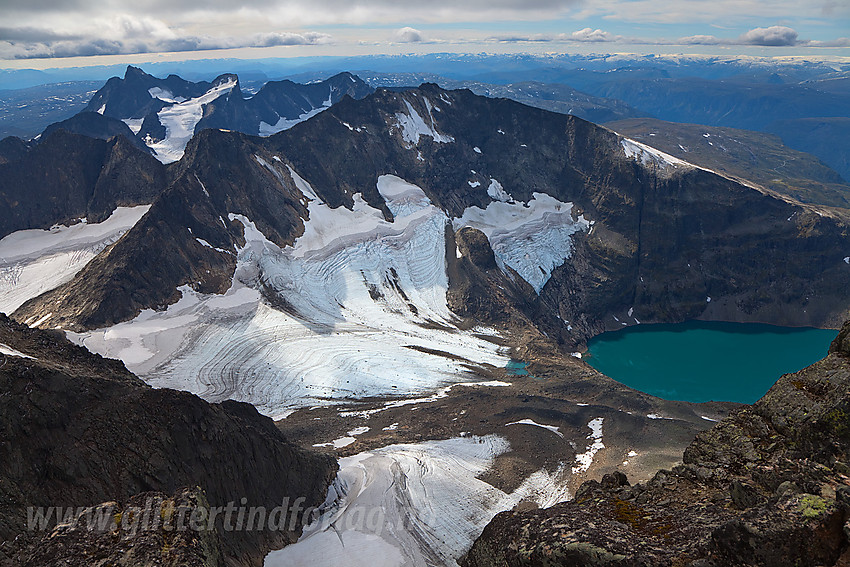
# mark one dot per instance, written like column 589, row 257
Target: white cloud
column 408, row 35
column 722, row 12
column 59, row 28
column 840, row 42
column 591, row 35
column 772, row 36
column 152, row 42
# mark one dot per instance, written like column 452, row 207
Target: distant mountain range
column 802, row 101
column 165, row 113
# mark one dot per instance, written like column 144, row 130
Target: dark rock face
column 67, row 176
column 276, row 100
column 80, row 430
column 220, row 175
column 766, row 486
column 12, row 149
column 130, row 97
column 480, row 291
column 97, row 126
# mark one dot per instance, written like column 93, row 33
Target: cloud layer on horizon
column 68, row 28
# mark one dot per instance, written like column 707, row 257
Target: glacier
column 35, row 261
column 413, row 504
column 180, row 119
column 357, row 300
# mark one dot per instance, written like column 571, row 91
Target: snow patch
column 165, row 95
column 412, row 126
column 552, row 428
column 284, row 123
column 344, row 441
column 648, row 155
column 135, row 124
column 9, row 351
column 657, row 416
column 584, row 460
column 206, row 244
column 497, row 192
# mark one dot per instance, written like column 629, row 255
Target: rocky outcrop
column 95, row 125
column 766, row 486
column 81, row 431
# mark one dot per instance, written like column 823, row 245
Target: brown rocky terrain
column 768, row 485
column 79, row 430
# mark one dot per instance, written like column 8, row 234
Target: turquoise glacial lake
column 704, row 361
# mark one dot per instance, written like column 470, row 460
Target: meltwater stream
column 701, row 361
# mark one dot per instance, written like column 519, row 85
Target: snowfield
column 361, row 312
column 412, row 126
column 533, row 238
column 648, row 155
column 412, row 504
column 35, row 261
column 584, row 460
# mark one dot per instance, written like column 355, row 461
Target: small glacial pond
column 702, row 361
column 517, row 368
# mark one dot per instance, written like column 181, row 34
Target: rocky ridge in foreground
column 767, row 486
column 80, row 430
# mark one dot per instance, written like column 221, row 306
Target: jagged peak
column 134, row 72
column 224, row 78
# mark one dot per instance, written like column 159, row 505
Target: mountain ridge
column 594, row 159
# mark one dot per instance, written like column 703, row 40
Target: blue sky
column 41, row 33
